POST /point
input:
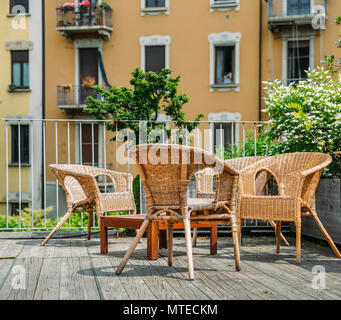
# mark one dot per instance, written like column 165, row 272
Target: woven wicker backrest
column 74, row 179
column 283, row 167
column 166, row 171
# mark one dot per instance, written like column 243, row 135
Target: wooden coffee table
column 156, row 235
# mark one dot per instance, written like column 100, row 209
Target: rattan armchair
column 166, row 183
column 297, row 176
column 204, row 184
column 83, row 194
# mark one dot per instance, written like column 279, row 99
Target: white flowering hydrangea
column 305, row 116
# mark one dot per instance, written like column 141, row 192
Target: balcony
column 285, row 13
column 71, row 98
column 72, row 21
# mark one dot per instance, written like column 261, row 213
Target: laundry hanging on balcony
column 101, row 66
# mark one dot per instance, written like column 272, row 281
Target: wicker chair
column 204, row 184
column 297, row 176
column 166, row 183
column 82, row 192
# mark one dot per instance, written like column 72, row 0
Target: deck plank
column 49, row 281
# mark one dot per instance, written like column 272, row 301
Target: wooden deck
column 73, row 268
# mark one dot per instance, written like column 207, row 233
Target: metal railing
column 288, row 8
column 84, row 16
column 70, row 96
column 31, row 187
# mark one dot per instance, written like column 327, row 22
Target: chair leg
column 90, row 223
column 240, row 229
column 58, row 226
column 236, row 238
column 273, row 224
column 139, row 235
column 298, row 242
column 187, row 227
column 325, row 233
column 170, row 243
column 195, row 237
column 278, row 236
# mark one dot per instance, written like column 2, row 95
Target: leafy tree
column 151, row 94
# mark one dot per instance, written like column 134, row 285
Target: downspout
column 43, row 96
column 260, row 60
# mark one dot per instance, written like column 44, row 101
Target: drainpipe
column 43, row 95
column 260, row 60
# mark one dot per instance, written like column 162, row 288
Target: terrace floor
column 73, row 268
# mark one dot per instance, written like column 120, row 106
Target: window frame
column 224, row 39
column 223, row 117
column 224, row 5
column 22, row 62
column 303, row 35
column 155, row 40
column 154, row 10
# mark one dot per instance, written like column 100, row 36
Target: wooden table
column 156, row 234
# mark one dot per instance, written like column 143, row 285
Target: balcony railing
column 299, row 12
column 73, row 20
column 74, row 97
column 32, row 187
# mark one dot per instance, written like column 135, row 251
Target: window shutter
column 155, row 58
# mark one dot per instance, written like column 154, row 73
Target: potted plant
column 12, row 87
column 68, row 6
column 105, row 5
column 61, row 23
column 88, row 82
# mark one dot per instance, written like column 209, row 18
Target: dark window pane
column 155, row 3
column 296, row 7
column 89, row 144
column 23, row 3
column 298, row 60
column 222, row 135
column 224, row 64
column 24, row 144
column 88, row 72
column 15, row 208
column 155, row 58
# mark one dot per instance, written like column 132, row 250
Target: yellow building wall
column 12, row 104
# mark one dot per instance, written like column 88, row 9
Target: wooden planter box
column 328, row 208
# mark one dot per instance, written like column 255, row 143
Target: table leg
column 214, row 240
column 163, row 244
column 104, row 238
column 153, row 241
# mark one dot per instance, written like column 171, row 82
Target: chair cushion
column 200, row 203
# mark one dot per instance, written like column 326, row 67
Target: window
column 154, row 7
column 298, row 60
column 90, row 144
column 13, row 3
column 155, row 58
column 20, row 68
column 23, row 144
column 224, row 65
column 15, row 208
column 224, row 5
column 155, row 3
column 222, row 136
column 224, row 61
column 298, row 7
column 155, row 53
column 223, row 132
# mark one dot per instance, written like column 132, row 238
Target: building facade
column 21, row 104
